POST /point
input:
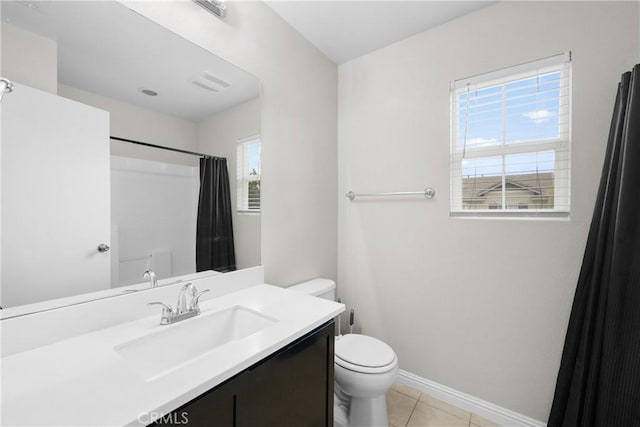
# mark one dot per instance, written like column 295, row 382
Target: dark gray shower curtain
column 599, row 378
column 214, row 235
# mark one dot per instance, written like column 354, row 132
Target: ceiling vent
column 217, row 7
column 209, row 81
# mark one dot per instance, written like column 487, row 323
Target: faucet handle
column 187, row 289
column 195, row 300
column 167, row 311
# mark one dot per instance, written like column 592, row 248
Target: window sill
column 517, row 215
column 249, row 212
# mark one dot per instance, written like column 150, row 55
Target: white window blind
column 248, row 174
column 510, row 140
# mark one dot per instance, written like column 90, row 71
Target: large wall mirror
column 91, row 196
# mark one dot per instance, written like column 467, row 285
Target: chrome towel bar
column 428, row 193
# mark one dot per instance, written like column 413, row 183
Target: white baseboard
column 498, row 414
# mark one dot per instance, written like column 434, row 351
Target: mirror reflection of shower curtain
column 214, row 232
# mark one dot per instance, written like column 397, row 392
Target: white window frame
column 242, row 176
column 560, row 146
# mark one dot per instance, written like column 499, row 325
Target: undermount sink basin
column 174, row 345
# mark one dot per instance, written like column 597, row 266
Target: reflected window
column 248, row 166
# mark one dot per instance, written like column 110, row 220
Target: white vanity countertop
column 83, row 381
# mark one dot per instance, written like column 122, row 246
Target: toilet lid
column 362, row 350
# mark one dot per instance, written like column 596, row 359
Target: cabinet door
column 292, row 388
column 213, row 408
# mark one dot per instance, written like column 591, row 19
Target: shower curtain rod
column 177, row 150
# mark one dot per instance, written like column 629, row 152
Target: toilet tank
column 322, row 288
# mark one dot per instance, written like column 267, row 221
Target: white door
column 55, row 197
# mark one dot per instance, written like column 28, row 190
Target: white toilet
column 365, row 368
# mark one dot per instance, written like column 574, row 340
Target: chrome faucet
column 151, row 277
column 183, row 310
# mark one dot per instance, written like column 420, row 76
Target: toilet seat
column 361, row 353
column 365, row 369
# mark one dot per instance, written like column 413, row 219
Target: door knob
column 103, row 248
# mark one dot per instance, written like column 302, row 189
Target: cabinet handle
column 103, row 248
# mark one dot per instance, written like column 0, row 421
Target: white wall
column 153, row 207
column 140, row 124
column 29, row 59
column 219, row 135
column 477, row 305
column 299, row 133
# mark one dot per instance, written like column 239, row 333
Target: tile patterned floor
column 408, row 407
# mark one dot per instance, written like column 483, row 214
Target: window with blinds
column 510, row 140
column 248, row 175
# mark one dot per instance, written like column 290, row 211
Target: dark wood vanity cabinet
column 291, row 387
